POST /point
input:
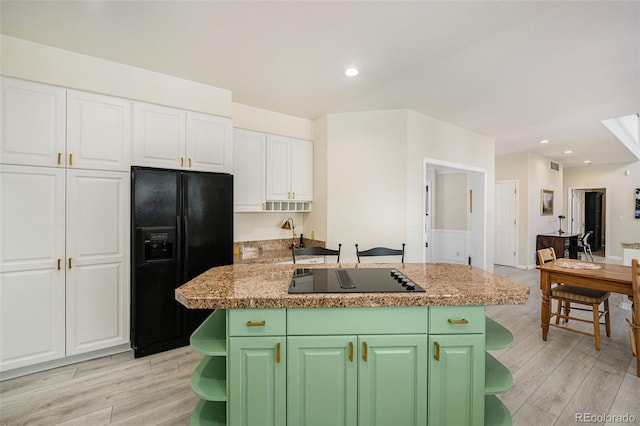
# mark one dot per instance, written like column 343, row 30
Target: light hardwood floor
column 553, row 380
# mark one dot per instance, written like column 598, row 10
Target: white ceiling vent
column 554, row 166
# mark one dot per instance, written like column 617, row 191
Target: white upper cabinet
column 32, row 123
column 248, row 170
column 289, row 169
column 158, row 136
column 98, row 132
column 302, row 170
column 209, row 143
column 176, row 139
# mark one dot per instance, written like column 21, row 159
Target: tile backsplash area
column 268, row 245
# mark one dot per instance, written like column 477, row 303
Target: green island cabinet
column 350, row 366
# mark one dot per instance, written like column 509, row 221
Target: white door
column 97, row 260
column 505, row 226
column 32, row 123
column 158, row 136
column 98, row 132
column 278, row 172
column 301, row 170
column 209, row 143
column 248, row 170
column 32, row 252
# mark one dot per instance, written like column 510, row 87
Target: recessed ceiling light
column 544, row 141
column 568, row 151
column 351, row 72
column 587, row 162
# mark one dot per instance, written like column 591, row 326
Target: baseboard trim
column 30, row 369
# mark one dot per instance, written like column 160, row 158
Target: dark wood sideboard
column 565, row 245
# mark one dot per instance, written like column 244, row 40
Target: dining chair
column 381, row 251
column 634, row 325
column 315, row 251
column 566, row 295
column 585, row 246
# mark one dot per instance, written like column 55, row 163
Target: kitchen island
column 357, row 358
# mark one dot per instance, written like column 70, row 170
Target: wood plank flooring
column 553, row 380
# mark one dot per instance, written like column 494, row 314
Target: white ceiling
column 516, row 71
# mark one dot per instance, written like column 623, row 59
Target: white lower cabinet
column 64, row 287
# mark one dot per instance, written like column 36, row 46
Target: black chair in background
column 585, row 246
column 315, row 251
column 381, row 251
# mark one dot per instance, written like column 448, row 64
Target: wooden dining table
column 609, row 277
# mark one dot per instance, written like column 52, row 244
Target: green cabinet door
column 392, row 380
column 322, row 378
column 257, row 377
column 456, row 380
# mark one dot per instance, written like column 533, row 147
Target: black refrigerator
column 182, row 225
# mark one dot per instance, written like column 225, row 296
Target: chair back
column 381, row 251
column 315, row 251
column 585, row 239
column 546, row 255
column 634, row 325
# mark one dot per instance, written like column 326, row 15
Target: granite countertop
column 265, row 286
column 635, row 246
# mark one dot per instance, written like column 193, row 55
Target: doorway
column 589, row 210
column 454, row 213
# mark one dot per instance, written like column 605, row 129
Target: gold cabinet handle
column 69, row 263
column 278, row 353
column 365, row 351
column 351, row 351
column 458, row 322
column 256, row 324
column 189, row 161
column 436, row 355
column 181, row 161
column 59, row 264
column 59, row 158
column 71, row 159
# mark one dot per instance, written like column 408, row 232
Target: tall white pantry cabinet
column 64, row 223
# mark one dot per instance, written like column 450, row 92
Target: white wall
column 366, row 180
column 375, row 168
column 431, row 138
column 452, row 206
column 262, row 120
column 533, row 173
column 622, row 227
column 516, row 167
column 541, row 176
column 45, row 64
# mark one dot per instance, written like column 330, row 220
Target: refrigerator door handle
column 186, row 243
column 179, row 245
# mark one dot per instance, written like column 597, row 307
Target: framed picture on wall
column 637, row 203
column 546, row 202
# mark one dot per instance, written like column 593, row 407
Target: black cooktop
column 351, row 280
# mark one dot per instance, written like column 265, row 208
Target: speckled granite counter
column 632, row 246
column 265, row 286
